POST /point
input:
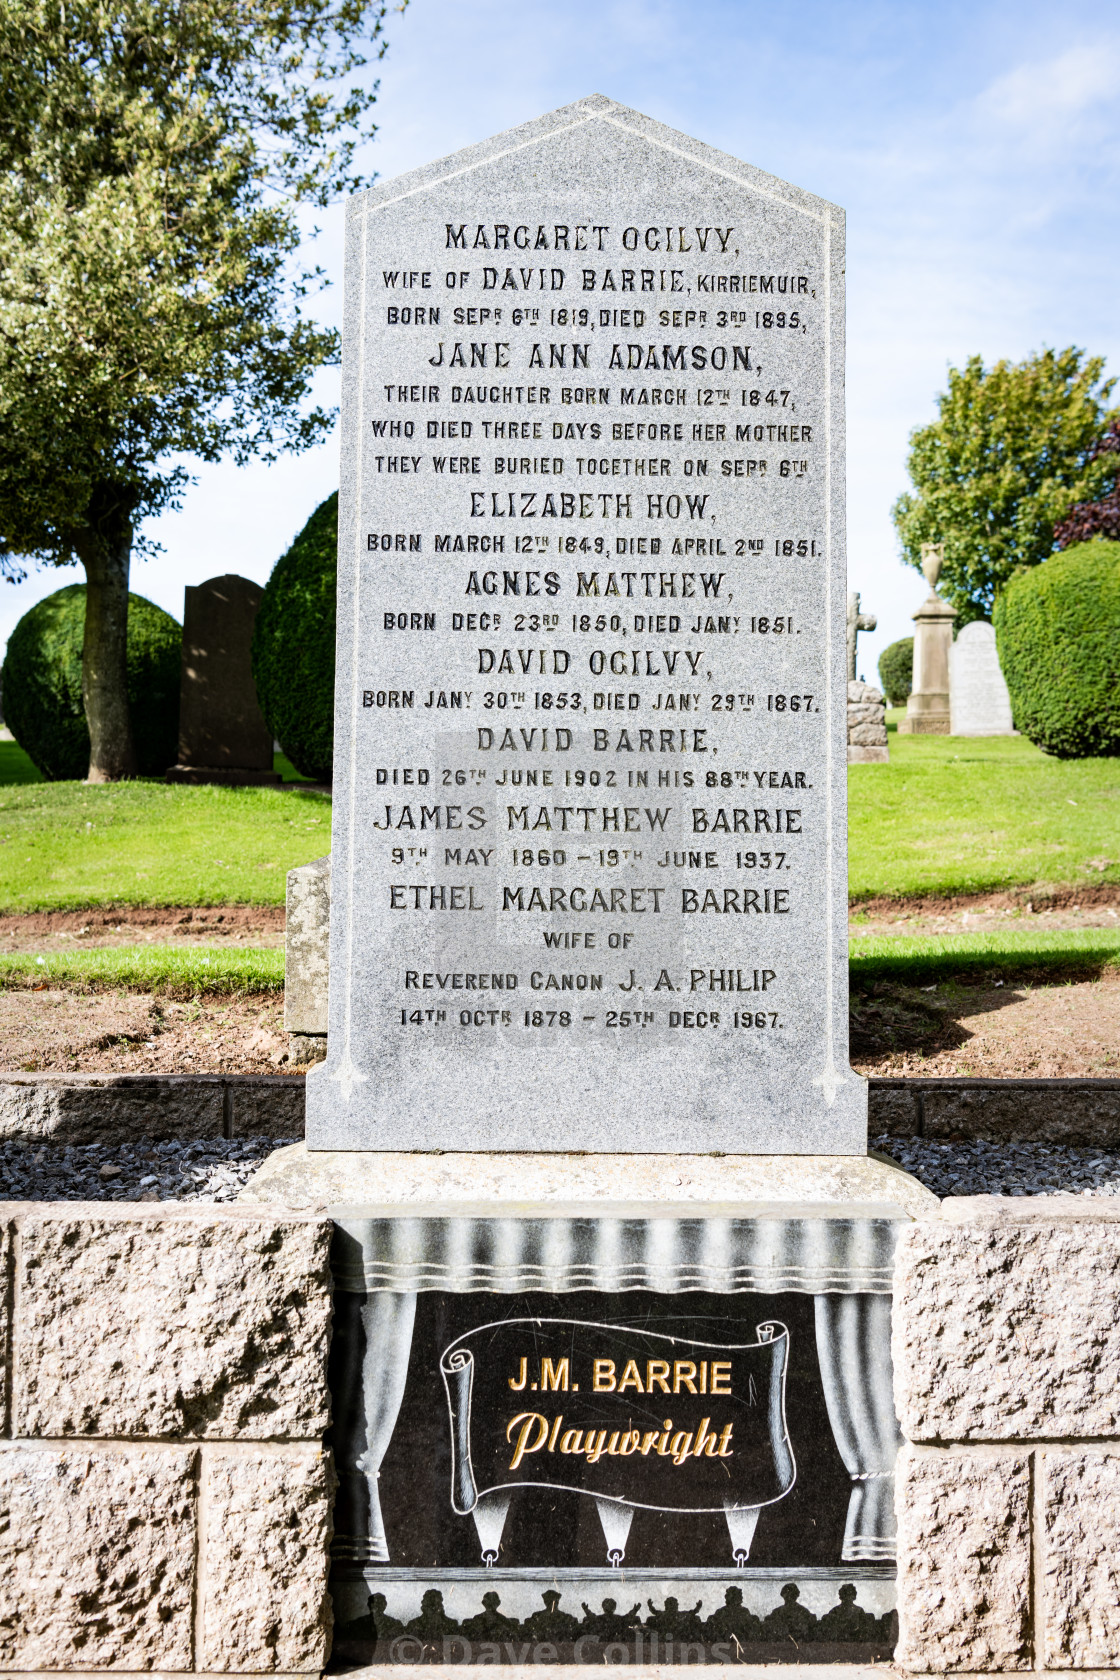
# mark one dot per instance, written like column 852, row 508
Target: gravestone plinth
column 222, row 734
column 611, row 1362
column 979, row 703
column 589, row 844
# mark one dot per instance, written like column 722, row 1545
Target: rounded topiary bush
column 1058, row 637
column 896, row 670
column 42, row 685
column 293, row 645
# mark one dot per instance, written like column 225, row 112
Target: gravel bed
column 213, row 1171
column 1005, row 1169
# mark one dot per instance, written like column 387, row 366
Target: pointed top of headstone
column 610, row 122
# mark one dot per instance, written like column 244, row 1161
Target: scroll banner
column 618, row 1413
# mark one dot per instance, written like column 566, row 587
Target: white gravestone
column 979, row 703
column 589, row 849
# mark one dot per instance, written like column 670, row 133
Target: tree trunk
column 105, row 659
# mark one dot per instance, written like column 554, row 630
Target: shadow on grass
column 913, row 1002
column 15, row 766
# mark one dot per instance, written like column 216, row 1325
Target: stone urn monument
column 927, row 709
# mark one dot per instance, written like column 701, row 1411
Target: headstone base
column 869, row 755
column 934, row 723
column 926, row 714
column 198, row 775
column 304, row 1178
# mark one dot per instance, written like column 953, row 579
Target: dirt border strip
column 119, row 924
column 1105, row 896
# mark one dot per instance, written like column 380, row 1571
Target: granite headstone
column 589, row 847
column 979, row 703
column 222, row 734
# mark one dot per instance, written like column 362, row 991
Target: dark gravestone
column 222, row 735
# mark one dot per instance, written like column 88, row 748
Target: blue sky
column 975, row 147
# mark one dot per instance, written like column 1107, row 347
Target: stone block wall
column 165, row 1499
column 164, row 1492
column 1007, row 1380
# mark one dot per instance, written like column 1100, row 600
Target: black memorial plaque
column 627, row 1477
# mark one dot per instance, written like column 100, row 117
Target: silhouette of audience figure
column 433, row 1621
column 848, row 1620
column 383, row 1626
column 674, row 1623
column 733, row 1620
column 609, row 1625
column 490, row 1623
column 790, row 1620
column 551, row 1623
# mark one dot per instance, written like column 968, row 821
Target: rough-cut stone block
column 862, row 694
column 5, row 1342
column 109, row 1108
column 1073, row 1111
column 267, row 1105
column 307, row 927
column 1081, row 1559
column 264, row 1602
column 210, row 1325
column 892, row 1108
column 1007, row 1330
column 963, row 1561
column 97, row 1557
column 1032, row 1210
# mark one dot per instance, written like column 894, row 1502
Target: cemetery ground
column 141, row 925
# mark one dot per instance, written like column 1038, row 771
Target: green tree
column 152, row 157
column 1011, row 452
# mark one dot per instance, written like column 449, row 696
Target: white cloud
column 1051, row 92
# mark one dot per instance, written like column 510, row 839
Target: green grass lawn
column 64, row 845
column 180, row 971
column 15, row 766
column 951, row 814
column 946, row 815
column 171, row 970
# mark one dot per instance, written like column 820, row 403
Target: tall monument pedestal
column 927, row 709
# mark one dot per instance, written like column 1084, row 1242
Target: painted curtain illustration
column 586, row 1437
